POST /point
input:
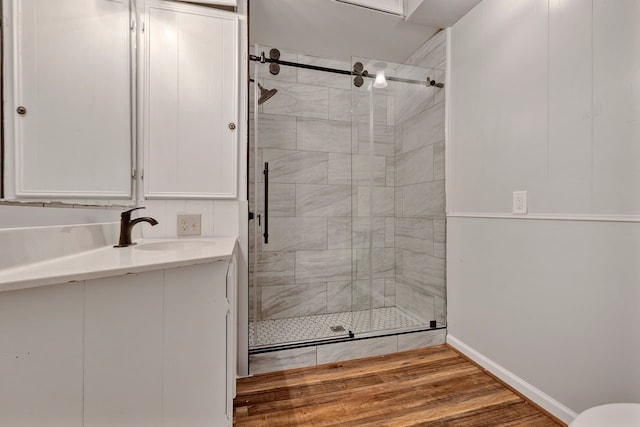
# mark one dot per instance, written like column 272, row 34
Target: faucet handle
column 128, row 213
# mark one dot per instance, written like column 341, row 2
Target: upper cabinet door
column 189, row 101
column 70, row 109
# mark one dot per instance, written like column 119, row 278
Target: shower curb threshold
column 327, row 341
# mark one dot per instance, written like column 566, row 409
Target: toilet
column 612, row 415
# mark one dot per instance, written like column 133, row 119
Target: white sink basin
column 175, row 245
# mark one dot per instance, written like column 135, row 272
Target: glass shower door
column 300, row 193
column 398, row 187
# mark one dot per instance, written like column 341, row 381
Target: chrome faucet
column 126, row 225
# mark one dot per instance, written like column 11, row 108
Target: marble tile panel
column 389, row 292
column 322, row 78
column 439, row 238
column 361, row 232
column 383, row 263
column 324, row 135
column 399, row 262
column 294, row 234
column 414, row 166
column 282, row 199
column 383, row 201
column 338, row 296
column 383, row 139
column 398, row 202
column 438, row 161
column 275, row 131
column 280, row 302
column 391, row 172
column 368, row 294
column 424, row 272
column 323, row 266
column 391, row 110
column 389, row 232
column 441, row 310
column 339, row 169
column 424, row 129
column 298, row 100
column 360, row 110
column 296, row 167
column 414, row 234
column 355, row 135
column 339, row 229
column 410, row 71
column 282, row 359
column 274, row 268
column 417, row 303
column 397, row 138
column 255, row 156
column 420, row 200
column 361, row 168
column 421, row 339
column 340, row 105
column 323, row 200
column 252, row 238
column 413, row 99
column 288, row 74
column 430, row 52
column 356, row 349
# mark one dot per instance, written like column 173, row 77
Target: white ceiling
column 331, row 29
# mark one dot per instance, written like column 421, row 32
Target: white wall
column 545, row 97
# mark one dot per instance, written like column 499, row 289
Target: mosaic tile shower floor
column 309, row 328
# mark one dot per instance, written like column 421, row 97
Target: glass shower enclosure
column 346, row 187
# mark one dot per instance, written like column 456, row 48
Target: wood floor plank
column 427, row 387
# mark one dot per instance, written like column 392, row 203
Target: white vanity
column 91, row 335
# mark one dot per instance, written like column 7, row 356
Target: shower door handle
column 266, row 202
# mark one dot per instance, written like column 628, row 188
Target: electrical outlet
column 519, row 202
column 189, row 225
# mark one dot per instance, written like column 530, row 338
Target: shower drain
column 338, row 328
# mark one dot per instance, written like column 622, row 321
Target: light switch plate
column 519, row 202
column 189, row 225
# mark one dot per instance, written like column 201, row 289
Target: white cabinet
column 68, row 107
column 148, row 349
column 41, row 346
column 195, row 351
column 189, row 98
column 123, row 351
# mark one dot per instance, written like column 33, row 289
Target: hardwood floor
column 426, row 387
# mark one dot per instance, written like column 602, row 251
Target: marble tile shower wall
column 315, row 135
column 420, row 190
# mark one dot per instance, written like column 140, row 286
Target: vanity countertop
column 109, row 261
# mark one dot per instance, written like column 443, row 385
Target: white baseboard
column 535, row 395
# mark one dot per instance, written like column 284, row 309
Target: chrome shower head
column 265, row 94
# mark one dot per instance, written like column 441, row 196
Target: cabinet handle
column 21, row 110
column 232, row 126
